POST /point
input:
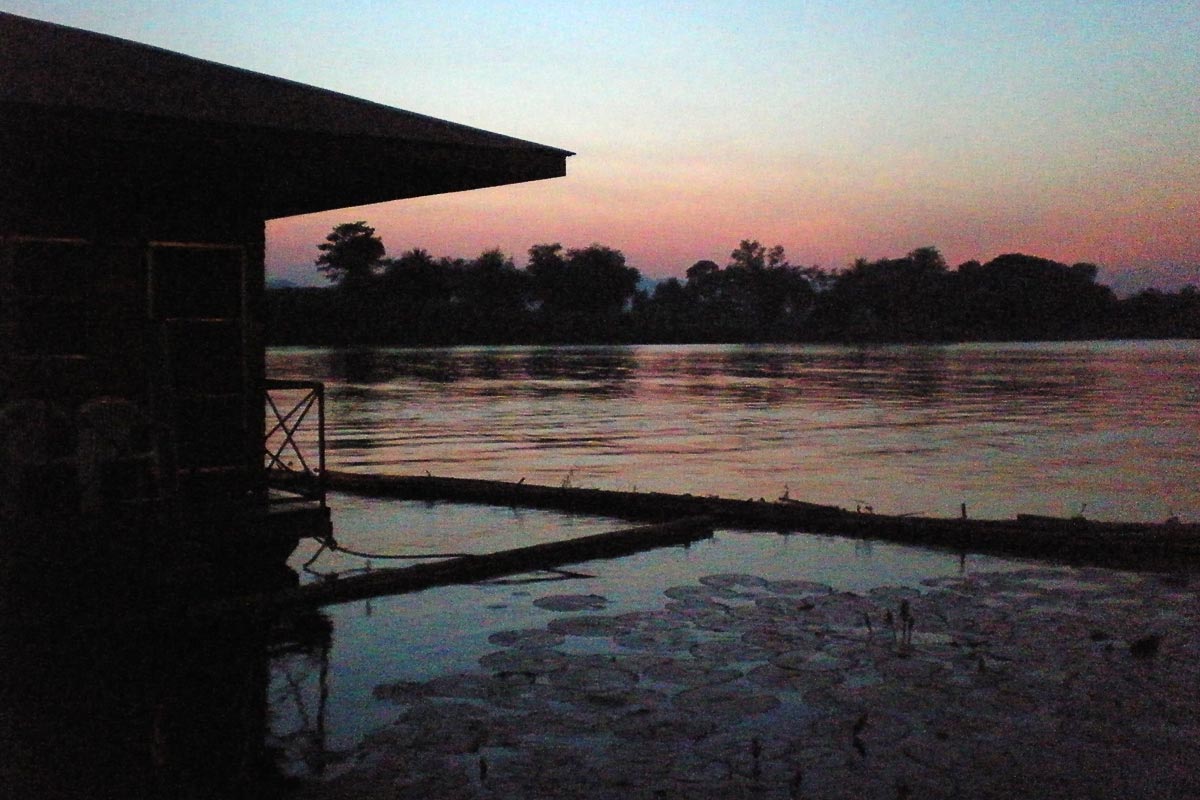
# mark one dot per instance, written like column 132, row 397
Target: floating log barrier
column 472, row 568
column 1071, row 540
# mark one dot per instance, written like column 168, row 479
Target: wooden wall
column 133, row 268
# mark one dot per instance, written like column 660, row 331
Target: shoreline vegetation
column 591, row 296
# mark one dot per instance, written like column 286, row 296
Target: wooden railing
column 294, row 442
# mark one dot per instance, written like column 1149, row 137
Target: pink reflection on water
column 1041, row 428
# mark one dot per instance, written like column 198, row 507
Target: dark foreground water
column 1110, row 428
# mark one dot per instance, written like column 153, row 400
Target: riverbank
column 1042, row 682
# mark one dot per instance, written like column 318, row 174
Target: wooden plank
column 652, row 506
column 469, row 569
column 1130, row 544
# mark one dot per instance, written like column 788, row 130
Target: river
column 1109, row 429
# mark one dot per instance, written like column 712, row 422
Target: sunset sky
column 1058, row 128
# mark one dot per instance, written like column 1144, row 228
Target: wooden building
column 134, row 188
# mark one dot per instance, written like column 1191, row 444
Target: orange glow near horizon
column 1066, row 132
column 663, row 228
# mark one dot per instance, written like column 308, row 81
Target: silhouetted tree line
column 591, row 295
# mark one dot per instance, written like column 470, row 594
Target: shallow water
column 1035, row 683
column 1109, row 428
column 445, row 630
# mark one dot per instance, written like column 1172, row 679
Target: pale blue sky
column 1063, row 129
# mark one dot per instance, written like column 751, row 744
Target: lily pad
column 534, row 637
column 400, row 692
column 572, row 602
column 892, row 596
column 733, row 581
column 671, row 639
column 587, row 626
column 790, row 587
column 725, row 702
column 692, row 768
column 590, row 679
column 690, row 672
column 688, row 592
column 781, row 640
column 648, row 620
column 525, row 660
column 786, row 607
column 811, row 661
column 663, row 725
column 729, row 651
column 473, row 686
column 448, row 727
column 770, row 676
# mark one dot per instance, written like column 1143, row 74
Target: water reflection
column 375, row 366
column 487, row 371
column 775, row 373
column 920, row 375
column 298, row 693
column 132, row 708
column 445, row 631
column 600, row 364
column 1006, row 428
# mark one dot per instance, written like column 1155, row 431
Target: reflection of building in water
column 162, row 710
column 134, row 189
column 299, row 693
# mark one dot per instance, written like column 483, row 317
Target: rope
column 338, row 548
column 330, row 544
column 324, row 544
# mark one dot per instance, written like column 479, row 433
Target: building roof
column 312, row 149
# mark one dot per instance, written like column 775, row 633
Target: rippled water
column 1112, row 428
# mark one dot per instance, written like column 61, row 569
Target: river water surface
column 1111, row 429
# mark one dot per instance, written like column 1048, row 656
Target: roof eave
column 64, row 92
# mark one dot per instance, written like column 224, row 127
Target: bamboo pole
column 469, row 569
column 1130, row 544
